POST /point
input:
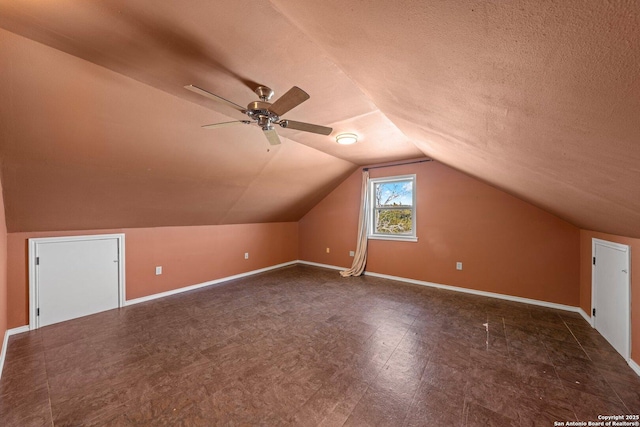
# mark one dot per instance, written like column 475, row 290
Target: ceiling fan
column 266, row 114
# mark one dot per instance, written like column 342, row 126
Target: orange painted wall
column 585, row 280
column 506, row 245
column 3, row 270
column 188, row 256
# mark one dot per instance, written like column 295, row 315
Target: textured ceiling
column 540, row 99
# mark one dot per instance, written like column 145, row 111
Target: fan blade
column 294, row 97
column 225, row 124
column 215, row 97
column 305, row 127
column 272, row 136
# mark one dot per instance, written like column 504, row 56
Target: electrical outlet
column 158, row 270
column 352, row 253
column 246, row 255
column 458, row 266
column 328, row 250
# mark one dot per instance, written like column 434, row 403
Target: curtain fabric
column 360, row 258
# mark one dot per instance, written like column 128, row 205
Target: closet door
column 76, row 278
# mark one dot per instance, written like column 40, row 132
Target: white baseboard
column 547, row 304
column 585, row 316
column 368, row 273
column 5, row 343
column 18, row 330
column 316, row 264
column 477, row 292
column 578, row 310
column 205, row 284
column 459, row 289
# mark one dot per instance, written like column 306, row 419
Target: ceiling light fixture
column 347, row 138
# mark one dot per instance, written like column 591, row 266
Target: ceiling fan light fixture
column 347, row 138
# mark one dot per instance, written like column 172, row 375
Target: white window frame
column 372, row 209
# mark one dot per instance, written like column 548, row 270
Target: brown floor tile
column 606, row 358
column 446, row 379
column 433, row 407
column 531, row 370
column 297, row 346
column 24, row 344
column 343, row 409
column 574, row 319
column 382, row 406
column 479, row 416
column 26, row 409
column 451, row 352
column 27, row 372
column 587, row 406
column 556, row 334
column 589, row 337
column 324, row 401
column 501, row 399
column 548, row 398
column 626, row 384
column 588, row 379
column 564, row 353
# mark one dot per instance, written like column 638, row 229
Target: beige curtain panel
column 360, row 258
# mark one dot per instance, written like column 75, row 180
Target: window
column 393, row 208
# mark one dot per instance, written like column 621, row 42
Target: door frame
column 620, row 247
column 33, row 271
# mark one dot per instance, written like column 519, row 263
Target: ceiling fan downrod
column 264, row 93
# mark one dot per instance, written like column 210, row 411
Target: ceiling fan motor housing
column 259, row 111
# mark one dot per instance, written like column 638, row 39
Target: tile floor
column 303, row 346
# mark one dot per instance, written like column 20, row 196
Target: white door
column 76, row 278
column 611, row 295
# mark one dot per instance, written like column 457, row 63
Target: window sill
column 396, row 238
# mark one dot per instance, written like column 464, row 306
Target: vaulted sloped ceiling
column 540, row 99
